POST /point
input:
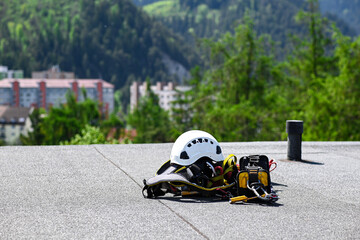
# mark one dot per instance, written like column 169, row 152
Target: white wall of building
column 166, row 94
column 11, row 130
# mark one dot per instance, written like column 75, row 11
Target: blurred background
column 122, row 71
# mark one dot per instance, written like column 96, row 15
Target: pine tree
column 233, row 93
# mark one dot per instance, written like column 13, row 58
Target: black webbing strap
column 152, row 191
column 253, row 174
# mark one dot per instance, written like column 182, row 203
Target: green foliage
column 163, row 8
column 112, row 123
column 111, row 39
column 151, row 122
column 232, row 98
column 89, row 135
column 72, row 123
column 320, row 92
column 180, row 115
column 63, row 123
column 245, row 91
column 333, row 111
column 311, row 54
column 247, row 94
column 36, row 136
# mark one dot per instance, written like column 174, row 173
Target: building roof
column 14, row 114
column 54, row 83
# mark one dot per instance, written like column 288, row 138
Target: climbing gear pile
column 197, row 167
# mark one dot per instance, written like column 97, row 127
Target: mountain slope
column 111, row 39
column 349, row 11
column 212, row 18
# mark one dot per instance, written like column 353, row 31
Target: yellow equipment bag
column 253, row 180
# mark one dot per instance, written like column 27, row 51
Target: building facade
column 166, row 93
column 46, row 93
column 14, row 121
column 6, row 73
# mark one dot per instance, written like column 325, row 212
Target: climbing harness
column 205, row 177
column 197, row 167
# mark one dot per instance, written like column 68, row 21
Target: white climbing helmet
column 195, row 144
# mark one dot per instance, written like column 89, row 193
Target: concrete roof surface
column 94, row 192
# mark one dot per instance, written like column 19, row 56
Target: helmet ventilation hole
column 184, row 155
column 218, row 150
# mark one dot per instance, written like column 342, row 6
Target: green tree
column 333, row 111
column 151, row 122
column 313, row 68
column 181, row 114
column 344, row 90
column 236, row 89
column 35, row 136
column 112, row 125
column 61, row 123
column 89, row 135
column 313, row 57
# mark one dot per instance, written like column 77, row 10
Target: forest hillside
column 109, row 39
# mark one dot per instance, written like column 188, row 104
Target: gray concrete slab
column 94, row 192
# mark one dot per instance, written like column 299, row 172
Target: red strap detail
column 173, row 189
column 220, row 169
column 272, row 162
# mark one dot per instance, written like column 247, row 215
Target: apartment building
column 45, row 93
column 166, row 93
column 14, row 121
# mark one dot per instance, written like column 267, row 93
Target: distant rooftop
column 53, row 83
column 10, row 114
column 53, row 73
